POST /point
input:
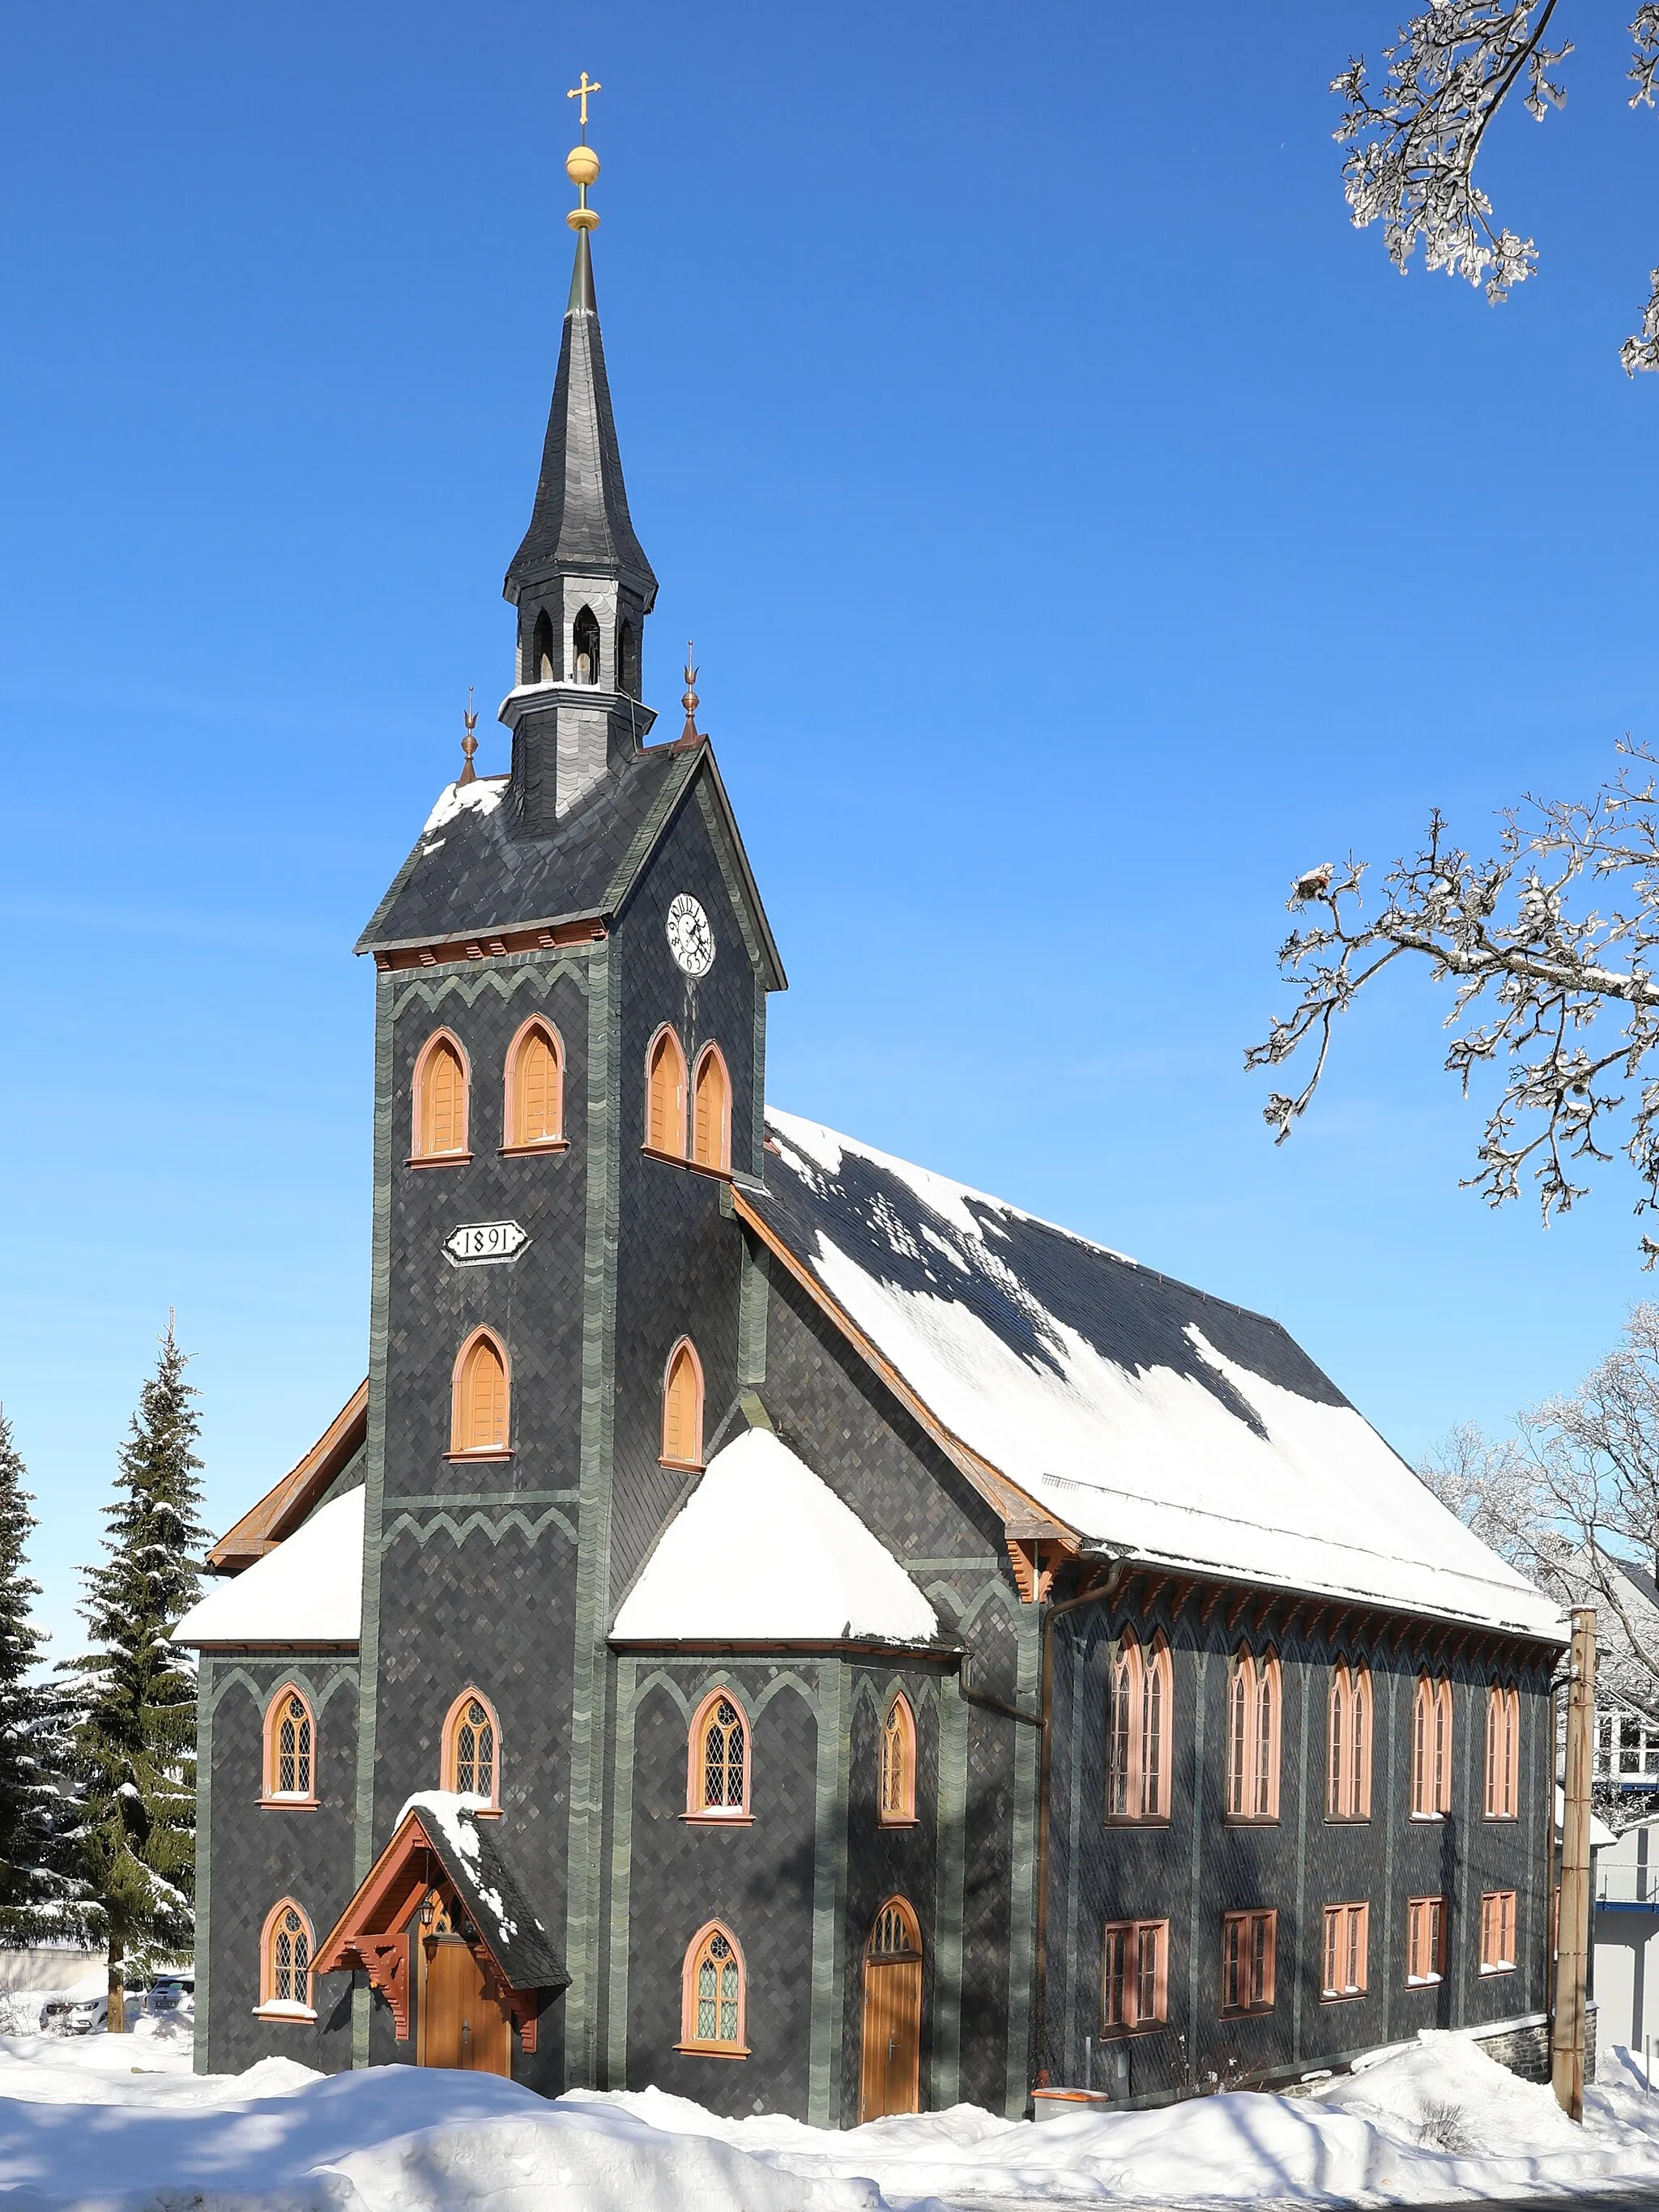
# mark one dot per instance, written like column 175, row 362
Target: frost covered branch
column 1415, row 138
column 1565, row 1002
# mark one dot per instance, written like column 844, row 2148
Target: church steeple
column 580, row 580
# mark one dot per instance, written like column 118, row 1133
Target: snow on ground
column 109, row 2123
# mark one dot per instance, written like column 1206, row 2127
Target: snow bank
column 308, row 1590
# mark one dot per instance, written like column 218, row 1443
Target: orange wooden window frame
column 1348, row 1718
column 698, row 1953
column 697, row 1805
column 664, row 1095
column 518, row 1135
column 1432, row 1748
column 423, row 1106
column 711, row 1110
column 1498, row 1931
column 1426, row 1941
column 462, row 1407
column 1347, row 1934
column 1241, row 1928
column 1503, row 1753
column 269, row 1935
column 1139, row 1720
column 449, row 1759
column 1254, row 1691
column 897, row 1794
column 276, row 1715
column 1123, row 1970
column 682, row 1406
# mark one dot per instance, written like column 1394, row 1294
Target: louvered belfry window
column 711, row 1145
column 537, row 1104
column 441, row 1110
column 681, row 1408
column 480, row 1423
column 664, row 1104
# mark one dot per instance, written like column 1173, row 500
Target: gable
column 321, row 1470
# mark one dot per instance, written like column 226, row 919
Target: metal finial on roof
column 581, row 163
column 689, row 699
column 469, row 743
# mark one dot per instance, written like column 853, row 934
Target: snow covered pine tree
column 38, row 1898
column 133, row 1733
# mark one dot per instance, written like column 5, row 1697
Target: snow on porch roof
column 1149, row 1417
column 765, row 1552
column 308, row 1590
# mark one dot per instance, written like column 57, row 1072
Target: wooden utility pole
column 1573, row 1914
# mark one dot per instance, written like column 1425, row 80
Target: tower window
column 584, row 645
column 665, row 1109
column 711, row 1114
column 479, row 1423
column 542, row 669
column 681, row 1407
column 471, row 1762
column 290, row 1744
column 628, row 658
column 535, row 1100
column 285, row 1946
column 439, row 1101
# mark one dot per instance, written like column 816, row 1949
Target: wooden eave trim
column 388, row 1879
column 1019, row 1511
column 276, row 1515
column 487, row 943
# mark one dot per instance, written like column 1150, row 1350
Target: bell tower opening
column 542, row 669
column 628, row 658
column 584, row 647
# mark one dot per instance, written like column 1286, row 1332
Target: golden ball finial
column 581, row 165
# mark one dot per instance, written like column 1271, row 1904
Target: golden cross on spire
column 580, row 92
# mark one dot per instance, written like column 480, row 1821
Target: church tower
column 580, row 580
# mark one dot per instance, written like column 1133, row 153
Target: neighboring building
column 776, row 1624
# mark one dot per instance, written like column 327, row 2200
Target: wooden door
column 461, row 2023
column 890, row 2076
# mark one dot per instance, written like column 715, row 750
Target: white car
column 171, row 1991
column 78, row 2009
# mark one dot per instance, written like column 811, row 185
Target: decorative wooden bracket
column 385, row 1961
column 524, row 2005
column 1032, row 1578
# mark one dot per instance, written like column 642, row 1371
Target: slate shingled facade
column 796, row 1269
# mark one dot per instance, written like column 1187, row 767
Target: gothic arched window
column 1503, row 1753
column 712, row 1993
column 1432, row 1748
column 540, row 669
column 472, row 1760
column 898, row 1764
column 535, row 1087
column 628, row 658
column 584, row 647
column 682, row 1406
column 717, row 1784
column 1348, row 1745
column 290, row 1743
column 285, row 1948
column 711, row 1111
column 1139, row 1696
column 439, row 1101
column 478, row 1421
column 664, row 1095
column 1252, row 1716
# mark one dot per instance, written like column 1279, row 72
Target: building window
column 1134, row 1975
column 717, row 1781
column 1347, row 1942
column 628, row 658
column 1425, row 1940
column 711, row 1993
column 290, row 1742
column 535, row 1088
column 471, row 1762
column 1503, row 1753
column 1431, row 1749
column 285, row 1948
column 898, row 1764
column 664, row 1095
column 711, row 1111
column 478, row 1422
column 1348, row 1768
column 1498, row 1931
column 1626, row 1751
column 542, row 669
column 681, row 1407
column 439, row 1101
column 1138, row 1751
column 1247, row 1943
column 1253, row 1711
column 585, row 643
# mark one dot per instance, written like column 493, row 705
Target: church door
column 461, row 2023
column 890, row 2075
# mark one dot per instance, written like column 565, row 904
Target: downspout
column 1104, row 1585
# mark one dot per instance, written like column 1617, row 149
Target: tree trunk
column 117, row 1989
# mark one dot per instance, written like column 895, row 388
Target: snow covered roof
column 1149, row 1418
column 474, row 1855
column 308, row 1590
column 765, row 1552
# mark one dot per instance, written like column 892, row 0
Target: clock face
column 690, row 939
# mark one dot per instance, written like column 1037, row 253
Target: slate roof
column 477, row 1859
column 1150, row 1420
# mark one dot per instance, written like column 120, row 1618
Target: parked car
column 78, row 2009
column 170, row 1989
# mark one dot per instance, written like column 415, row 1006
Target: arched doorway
column 890, row 2079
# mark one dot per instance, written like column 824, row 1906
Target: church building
column 775, row 1624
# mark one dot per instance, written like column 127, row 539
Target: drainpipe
column 1105, row 1585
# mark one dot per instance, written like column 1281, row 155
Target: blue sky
column 1083, row 529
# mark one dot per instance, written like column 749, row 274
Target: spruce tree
column 133, row 1733
column 37, row 1899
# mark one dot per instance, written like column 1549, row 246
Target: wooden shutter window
column 682, row 1409
column 537, row 1090
column 440, row 1103
column 711, row 1140
column 480, row 1418
column 665, row 1116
